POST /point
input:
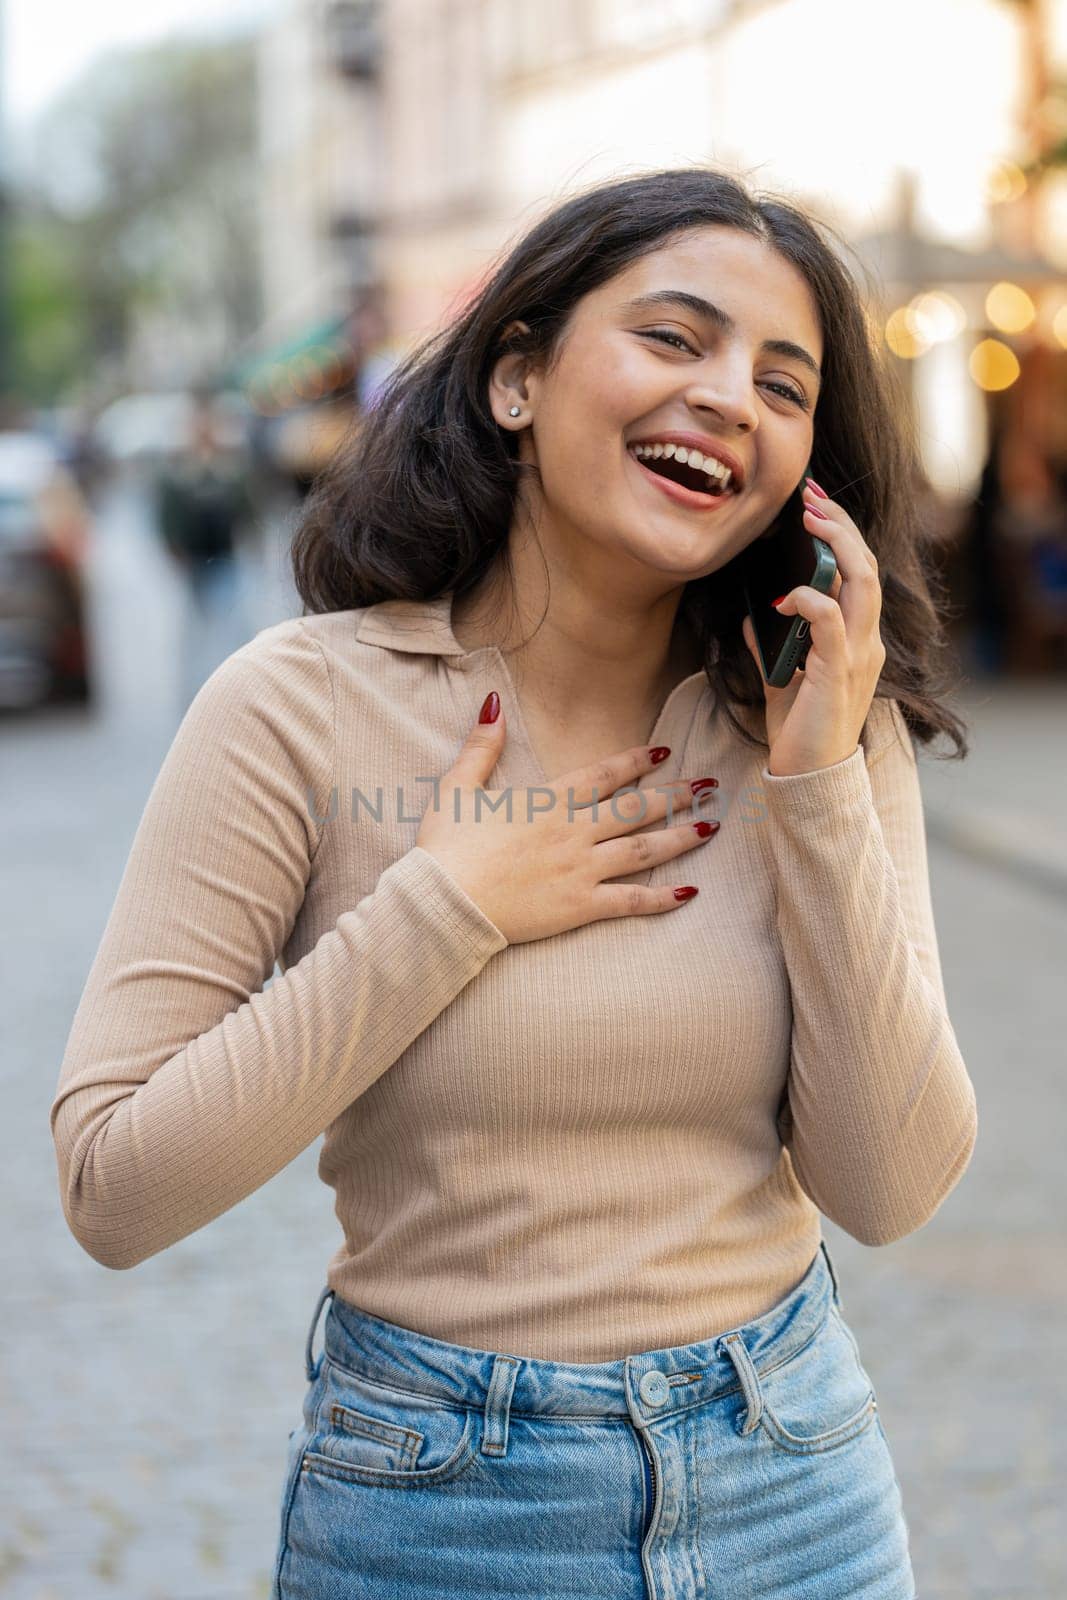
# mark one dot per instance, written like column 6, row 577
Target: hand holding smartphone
column 770, row 567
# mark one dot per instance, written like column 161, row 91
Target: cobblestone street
column 146, row 1413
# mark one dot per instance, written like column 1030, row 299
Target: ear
column 510, row 381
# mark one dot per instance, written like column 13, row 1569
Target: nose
column 727, row 392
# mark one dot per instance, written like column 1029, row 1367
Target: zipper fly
column 650, row 1458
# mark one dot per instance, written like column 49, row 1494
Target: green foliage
column 50, row 342
column 141, row 196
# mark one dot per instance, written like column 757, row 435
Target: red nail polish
column 704, row 828
column 659, row 753
column 490, row 707
column 813, row 511
column 779, row 600
column 698, row 785
column 687, row 893
column 815, row 488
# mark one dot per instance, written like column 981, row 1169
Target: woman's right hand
column 543, row 870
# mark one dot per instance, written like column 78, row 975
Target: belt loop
column 735, row 1348
column 833, row 1274
column 498, row 1406
column 313, row 1367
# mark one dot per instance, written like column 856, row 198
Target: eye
column 667, row 336
column 793, row 394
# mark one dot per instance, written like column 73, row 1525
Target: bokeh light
column 993, row 365
column 902, row 337
column 935, row 316
column 1006, row 181
column 1009, row 307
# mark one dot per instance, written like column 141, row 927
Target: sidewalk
column 1005, row 804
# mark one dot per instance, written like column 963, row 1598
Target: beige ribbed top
column 569, row 1149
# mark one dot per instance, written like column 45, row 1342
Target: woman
column 589, row 1061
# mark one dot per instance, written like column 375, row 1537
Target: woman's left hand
column 816, row 720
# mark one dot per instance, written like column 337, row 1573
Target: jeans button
column 654, row 1388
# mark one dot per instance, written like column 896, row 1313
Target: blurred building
column 322, row 181
column 321, row 172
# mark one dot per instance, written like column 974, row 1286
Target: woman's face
column 630, row 372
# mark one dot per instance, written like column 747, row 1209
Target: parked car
column 44, row 543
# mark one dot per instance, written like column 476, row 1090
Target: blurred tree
column 50, row 341
column 135, row 210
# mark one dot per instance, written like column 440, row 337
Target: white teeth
column 692, row 458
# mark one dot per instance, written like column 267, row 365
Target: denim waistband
column 654, row 1383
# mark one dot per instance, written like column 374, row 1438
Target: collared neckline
column 420, row 626
column 425, row 627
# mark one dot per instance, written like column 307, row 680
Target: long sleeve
column 185, row 1084
column 880, row 1116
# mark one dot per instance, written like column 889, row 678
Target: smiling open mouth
column 694, row 480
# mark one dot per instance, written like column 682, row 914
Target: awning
column 329, row 336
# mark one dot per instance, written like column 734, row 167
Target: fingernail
column 813, row 511
column 815, row 488
column 779, row 600
column 686, row 893
column 659, row 753
column 704, row 828
column 490, row 707
column 698, row 785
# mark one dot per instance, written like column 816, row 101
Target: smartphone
column 772, row 566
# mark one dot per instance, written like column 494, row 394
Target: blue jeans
column 749, row 1466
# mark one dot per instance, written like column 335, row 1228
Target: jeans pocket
column 368, row 1432
column 820, row 1397
column 297, row 1438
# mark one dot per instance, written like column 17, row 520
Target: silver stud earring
column 516, row 411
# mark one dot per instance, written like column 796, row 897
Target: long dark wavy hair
column 420, row 498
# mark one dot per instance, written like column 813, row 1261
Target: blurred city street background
column 217, row 234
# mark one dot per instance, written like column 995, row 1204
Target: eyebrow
column 722, row 320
